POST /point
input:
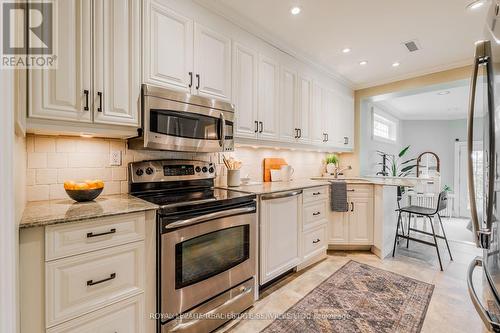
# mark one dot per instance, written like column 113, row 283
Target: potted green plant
column 332, row 161
column 393, row 166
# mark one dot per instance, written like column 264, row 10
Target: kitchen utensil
column 233, row 178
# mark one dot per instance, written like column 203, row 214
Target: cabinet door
column 343, row 124
column 279, row 232
column 62, row 93
column 288, row 109
column 338, row 229
column 329, row 119
column 268, row 108
column 168, row 47
column 212, row 63
column 304, row 113
column 317, row 119
column 361, row 220
column 117, row 47
column 245, row 87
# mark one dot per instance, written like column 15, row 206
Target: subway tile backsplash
column 55, row 159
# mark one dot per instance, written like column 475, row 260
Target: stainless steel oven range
column 178, row 121
column 205, row 244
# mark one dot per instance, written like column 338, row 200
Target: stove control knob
column 139, row 172
column 198, row 169
column 149, row 170
column 211, row 170
column 204, row 169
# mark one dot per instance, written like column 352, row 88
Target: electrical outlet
column 115, row 158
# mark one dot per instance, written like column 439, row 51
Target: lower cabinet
column 354, row 227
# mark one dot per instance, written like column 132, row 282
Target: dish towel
column 338, row 196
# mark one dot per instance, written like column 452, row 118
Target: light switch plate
column 115, row 158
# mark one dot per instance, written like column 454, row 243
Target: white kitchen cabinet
column 280, row 237
column 304, row 111
column 117, row 64
column 245, row 64
column 330, row 120
column 268, row 98
column 212, row 63
column 64, row 93
column 354, row 227
column 342, row 132
column 184, row 55
column 99, row 87
column 288, row 106
column 317, row 134
column 168, row 47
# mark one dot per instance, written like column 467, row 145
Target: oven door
column 204, row 255
column 178, row 126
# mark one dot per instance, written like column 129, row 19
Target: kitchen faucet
column 338, row 170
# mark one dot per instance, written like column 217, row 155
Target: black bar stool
column 425, row 212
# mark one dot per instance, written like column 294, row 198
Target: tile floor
column 450, row 309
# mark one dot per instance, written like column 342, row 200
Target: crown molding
column 255, row 30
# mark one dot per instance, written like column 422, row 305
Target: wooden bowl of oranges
column 87, row 190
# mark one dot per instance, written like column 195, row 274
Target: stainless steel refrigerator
column 484, row 169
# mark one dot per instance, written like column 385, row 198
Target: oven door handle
column 483, row 313
column 211, row 216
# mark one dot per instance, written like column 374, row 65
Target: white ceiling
column 430, row 105
column 373, row 29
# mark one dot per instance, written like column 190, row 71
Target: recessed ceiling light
column 346, row 50
column 295, row 10
column 475, row 5
column 395, row 64
column 446, row 92
column 363, row 63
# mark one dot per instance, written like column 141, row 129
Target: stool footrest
column 426, row 233
column 416, row 240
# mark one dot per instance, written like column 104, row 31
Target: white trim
column 382, row 113
column 8, row 225
column 456, row 176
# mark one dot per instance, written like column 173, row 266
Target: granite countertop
column 271, row 187
column 372, row 181
column 42, row 213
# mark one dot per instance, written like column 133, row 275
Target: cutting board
column 272, row 163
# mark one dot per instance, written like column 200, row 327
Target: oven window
column 204, row 256
column 184, row 124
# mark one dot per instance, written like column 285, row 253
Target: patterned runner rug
column 359, row 298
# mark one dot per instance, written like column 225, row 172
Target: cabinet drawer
column 359, row 190
column 125, row 316
column 314, row 242
column 315, row 193
column 315, row 213
column 84, row 283
column 69, row 239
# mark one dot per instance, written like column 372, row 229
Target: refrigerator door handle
column 483, row 313
column 482, row 57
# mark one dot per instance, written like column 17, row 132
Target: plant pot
column 330, row 168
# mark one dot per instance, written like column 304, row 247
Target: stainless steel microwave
column 177, row 121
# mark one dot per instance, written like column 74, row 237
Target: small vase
column 330, row 168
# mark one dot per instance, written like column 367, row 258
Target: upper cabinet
column 268, row 98
column 164, row 65
column 305, row 114
column 99, row 87
column 64, row 93
column 117, row 62
column 288, row 108
column 183, row 55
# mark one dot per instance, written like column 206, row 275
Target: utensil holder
column 233, row 178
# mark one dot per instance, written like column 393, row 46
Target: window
column 384, row 128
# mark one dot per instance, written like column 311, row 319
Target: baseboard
column 349, row 247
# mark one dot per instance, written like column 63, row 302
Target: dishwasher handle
column 483, row 313
column 280, row 195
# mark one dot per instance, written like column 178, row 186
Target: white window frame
column 390, row 121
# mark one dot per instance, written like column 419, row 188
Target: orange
column 69, row 185
column 81, row 186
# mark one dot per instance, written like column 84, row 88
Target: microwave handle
column 211, row 216
column 222, row 130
